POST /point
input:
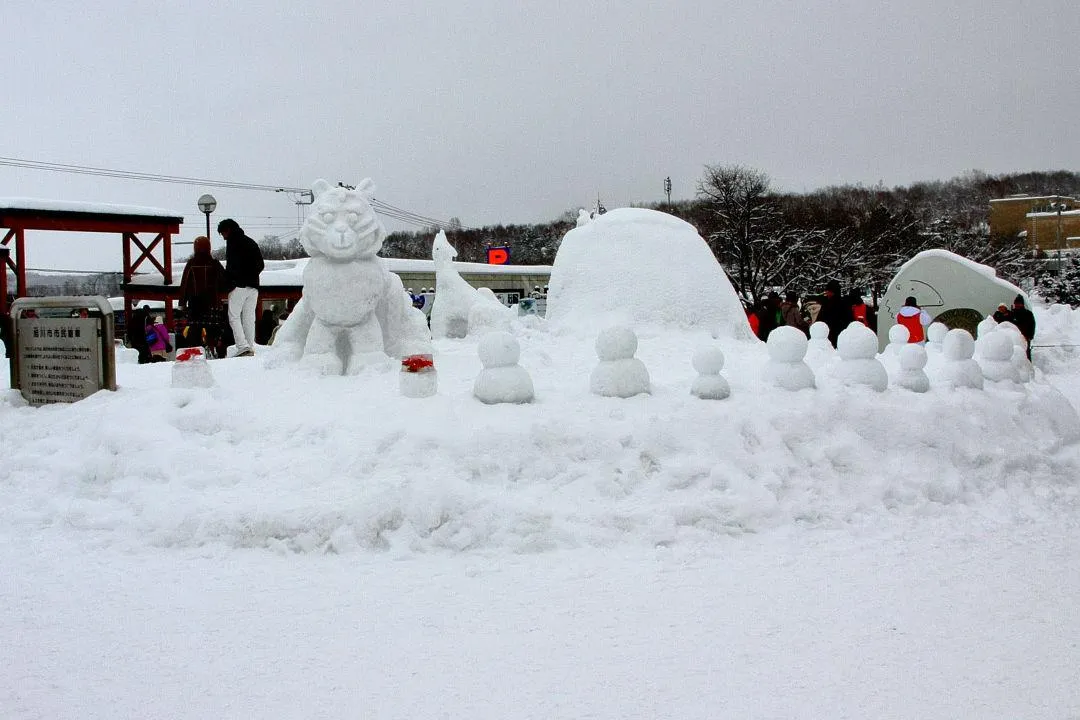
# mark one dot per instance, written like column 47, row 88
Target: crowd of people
column 838, row 310
column 831, row 307
column 1021, row 317
column 220, row 302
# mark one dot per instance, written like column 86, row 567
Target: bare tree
column 746, row 231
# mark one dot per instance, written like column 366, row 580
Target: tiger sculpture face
column 341, row 224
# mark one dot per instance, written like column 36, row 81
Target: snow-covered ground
column 289, row 546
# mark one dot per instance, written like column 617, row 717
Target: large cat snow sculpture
column 355, row 312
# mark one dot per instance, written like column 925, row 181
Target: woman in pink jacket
column 157, row 337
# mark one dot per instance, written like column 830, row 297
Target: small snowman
column 190, row 370
column 502, row 380
column 786, row 368
column 994, row 353
column 819, row 350
column 619, row 373
column 859, row 365
column 935, row 336
column 890, row 356
column 709, row 384
column 898, row 338
column 1024, row 369
column 986, row 326
column 912, row 376
column 959, row 368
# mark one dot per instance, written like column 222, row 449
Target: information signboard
column 63, row 348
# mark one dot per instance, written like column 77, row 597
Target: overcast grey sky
column 499, row 111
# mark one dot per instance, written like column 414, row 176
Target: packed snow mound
column 634, row 266
column 269, row 460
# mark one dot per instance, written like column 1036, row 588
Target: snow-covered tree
column 747, row 233
column 1064, row 286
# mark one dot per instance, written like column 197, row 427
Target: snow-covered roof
column 291, row 272
column 413, row 265
column 1055, row 213
column 74, row 206
column 951, row 257
column 117, row 304
column 1014, row 198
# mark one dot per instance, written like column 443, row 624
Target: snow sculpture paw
column 326, row 363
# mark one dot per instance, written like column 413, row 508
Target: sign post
column 63, row 348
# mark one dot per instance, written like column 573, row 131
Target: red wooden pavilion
column 19, row 215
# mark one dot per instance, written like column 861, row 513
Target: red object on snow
column 417, row 363
column 189, row 354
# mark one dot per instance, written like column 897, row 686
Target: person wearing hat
column 835, row 311
column 243, row 263
column 915, row 319
column 1002, row 314
column 1024, row 320
column 200, row 296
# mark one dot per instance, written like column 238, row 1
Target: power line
column 74, row 272
column 383, row 208
column 132, row 175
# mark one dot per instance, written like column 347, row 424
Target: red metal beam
column 4, row 252
column 20, row 262
column 167, row 238
column 147, row 253
column 127, row 259
column 89, row 225
column 8, row 262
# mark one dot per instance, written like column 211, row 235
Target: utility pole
column 1059, row 205
column 667, row 188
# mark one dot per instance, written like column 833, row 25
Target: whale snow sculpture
column 952, row 289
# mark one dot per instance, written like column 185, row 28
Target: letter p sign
column 498, row 255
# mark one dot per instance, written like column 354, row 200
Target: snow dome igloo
column 634, row 266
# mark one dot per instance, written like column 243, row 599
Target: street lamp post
column 1058, row 207
column 207, row 204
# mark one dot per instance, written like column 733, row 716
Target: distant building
column 1047, row 222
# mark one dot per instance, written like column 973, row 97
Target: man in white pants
column 243, row 263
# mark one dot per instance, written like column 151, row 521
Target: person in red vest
column 859, row 311
column 915, row 319
column 752, row 317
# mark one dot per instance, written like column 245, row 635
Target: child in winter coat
column 157, row 338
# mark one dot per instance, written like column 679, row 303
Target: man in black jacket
column 835, row 311
column 1024, row 320
column 243, row 263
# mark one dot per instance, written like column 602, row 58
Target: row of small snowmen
column 952, row 355
column 618, row 374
